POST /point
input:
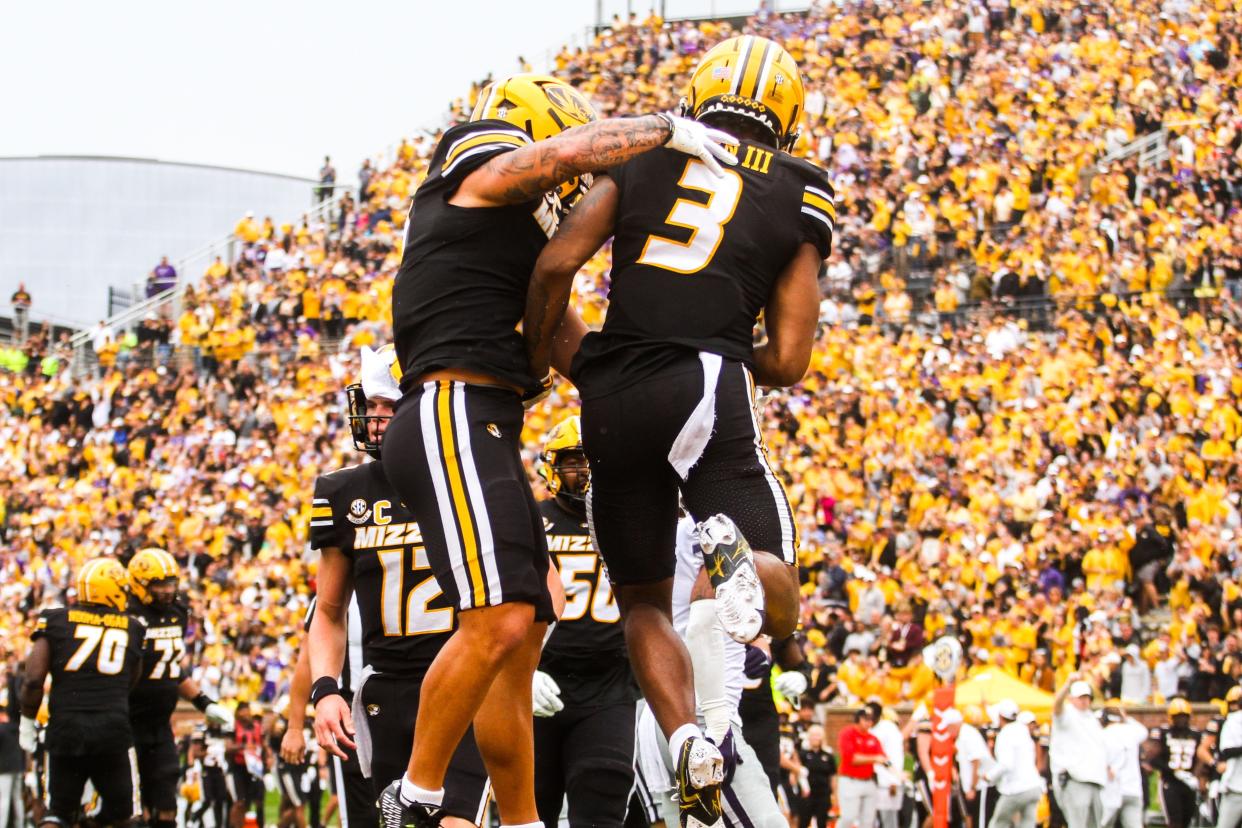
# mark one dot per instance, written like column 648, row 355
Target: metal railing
column 190, row 268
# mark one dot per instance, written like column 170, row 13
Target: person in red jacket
column 860, row 753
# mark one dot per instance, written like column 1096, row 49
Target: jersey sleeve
column 466, row 147
column 43, row 624
column 818, row 214
column 324, row 528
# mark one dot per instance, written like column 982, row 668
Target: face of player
column 574, row 471
column 378, row 408
column 163, row 591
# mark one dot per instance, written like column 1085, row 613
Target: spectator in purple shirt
column 163, row 278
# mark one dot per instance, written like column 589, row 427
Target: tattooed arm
column 532, row 170
column 581, row 233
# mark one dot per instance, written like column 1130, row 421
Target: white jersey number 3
column 705, row 221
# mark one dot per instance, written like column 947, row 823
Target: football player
column 93, row 651
column 372, row 550
column 584, row 689
column 668, row 385
column 719, row 676
column 153, row 582
column 761, row 722
column 1175, row 747
column 495, row 191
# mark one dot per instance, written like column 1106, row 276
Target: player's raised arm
column 541, row 165
column 583, row 232
column 791, row 316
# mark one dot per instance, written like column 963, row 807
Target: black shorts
column 763, row 734
column 215, row 785
column 691, row 429
column 244, row 787
column 391, row 705
column 586, row 755
column 114, row 776
column 159, row 768
column 452, row 452
column 290, row 780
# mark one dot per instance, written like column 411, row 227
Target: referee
column 1077, row 755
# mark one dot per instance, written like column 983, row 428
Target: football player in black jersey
column 668, row 385
column 1176, row 745
column 153, row 581
column 761, row 722
column 584, row 690
column 371, row 547
column 494, row 193
column 93, row 651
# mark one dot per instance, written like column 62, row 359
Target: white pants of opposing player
column 747, row 799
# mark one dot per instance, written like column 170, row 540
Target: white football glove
column 218, row 714
column 28, row 734
column 699, row 140
column 546, row 694
column 791, row 685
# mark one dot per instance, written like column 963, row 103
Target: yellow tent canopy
column 988, row 687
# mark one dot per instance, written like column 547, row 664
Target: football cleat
column 731, row 569
column 395, row 813
column 700, row 770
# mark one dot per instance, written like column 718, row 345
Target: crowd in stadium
column 1022, row 422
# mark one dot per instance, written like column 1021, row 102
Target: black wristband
column 201, row 701
column 324, row 687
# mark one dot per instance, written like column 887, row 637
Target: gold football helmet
column 752, row 77
column 1179, row 707
column 565, row 437
column 539, row 105
column 147, row 567
column 102, row 581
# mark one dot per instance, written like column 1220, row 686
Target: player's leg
column 115, row 777
column 732, row 476
column 551, row 733
column 64, row 780
column 446, row 447
column 748, row 795
column 158, row 767
column 599, row 764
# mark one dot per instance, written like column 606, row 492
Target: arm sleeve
column 818, row 213
column 324, row 531
column 467, row 147
column 41, row 626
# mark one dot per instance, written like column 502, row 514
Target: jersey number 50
column 705, row 221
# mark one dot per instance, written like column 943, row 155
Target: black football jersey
column 152, row 702
column 695, row 257
column 95, row 652
column 1177, row 749
column 405, row 616
column 586, row 652
column 461, row 289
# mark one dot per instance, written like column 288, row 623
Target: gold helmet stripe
column 170, row 563
column 761, row 70
column 740, row 67
column 84, row 577
column 770, row 57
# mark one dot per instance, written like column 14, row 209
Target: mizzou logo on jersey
column 359, row 512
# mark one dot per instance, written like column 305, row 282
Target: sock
column 680, row 737
column 705, row 640
column 411, row 793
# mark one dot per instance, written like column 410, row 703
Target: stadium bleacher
column 1023, row 413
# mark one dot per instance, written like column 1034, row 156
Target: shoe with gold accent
column 730, row 567
column 700, row 770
